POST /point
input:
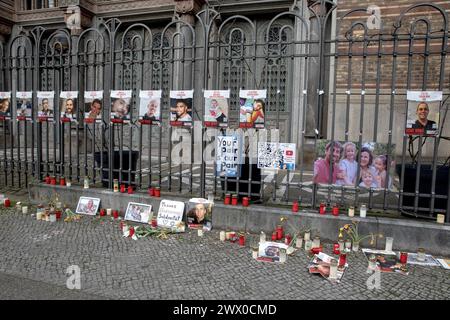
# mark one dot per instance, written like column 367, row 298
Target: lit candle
column 299, row 242
column 341, row 244
column 307, row 236
column 222, row 236
column 403, row 257
column 295, row 206
column 245, row 201
column 200, row 232
column 322, row 208
column 333, row 269
column 279, row 232
column 227, row 199
column 39, row 215
column 68, row 183
column 440, row 218
column 351, row 211
column 389, row 243
column 336, row 248
column 283, row 255
column 308, row 245
column 86, row 183
column 421, row 254
column 116, row 185
column 348, row 245
column 335, row 210
column 108, row 211
column 342, row 260
column 242, row 240
column 363, row 211
column 316, row 242
column 24, row 209
column 255, row 253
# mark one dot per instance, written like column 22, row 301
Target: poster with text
column 423, row 112
column 229, row 156
column 150, row 106
column 120, row 106
column 24, row 105
column 216, row 108
column 5, row 105
column 276, row 155
column 252, row 108
column 181, row 108
column 68, row 107
column 199, row 214
column 351, row 164
column 46, row 106
column 93, row 106
column 170, row 215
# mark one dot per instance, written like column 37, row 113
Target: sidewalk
column 185, row 266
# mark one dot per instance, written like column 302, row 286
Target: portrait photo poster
column 24, row 105
column 216, row 108
column 5, row 105
column 199, row 214
column 150, row 106
column 181, row 108
column 270, row 251
column 252, row 108
column 138, row 212
column 46, row 106
column 68, row 105
column 423, row 112
column 87, row 205
column 120, row 105
column 93, row 106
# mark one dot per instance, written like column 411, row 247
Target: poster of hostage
column 228, row 156
column 24, row 105
column 216, row 108
column 351, row 164
column 120, row 106
column 5, row 105
column 423, row 112
column 68, row 106
column 252, row 108
column 199, row 214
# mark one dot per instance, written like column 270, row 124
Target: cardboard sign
column 228, row 156
column 170, row 214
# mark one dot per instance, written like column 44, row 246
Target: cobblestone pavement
column 184, row 266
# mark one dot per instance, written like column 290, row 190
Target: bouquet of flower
column 352, row 232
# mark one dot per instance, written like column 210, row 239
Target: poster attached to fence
column 216, row 108
column 5, row 105
column 364, row 165
column 199, row 214
column 181, row 108
column 275, row 155
column 229, row 156
column 138, row 212
column 93, row 106
column 68, row 105
column 24, row 105
column 252, row 108
column 120, row 106
column 170, row 215
column 46, row 106
column 150, row 106
column 423, row 112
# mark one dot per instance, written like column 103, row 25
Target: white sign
column 228, row 156
column 274, row 155
column 424, row 96
column 170, row 213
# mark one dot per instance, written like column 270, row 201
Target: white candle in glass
column 262, row 237
column 348, row 245
column 299, row 242
column 316, row 242
column 389, row 243
column 440, row 218
column 341, row 245
column 53, row 218
column 308, row 245
column 333, row 269
column 363, row 211
column 421, row 254
column 255, row 254
column 307, row 236
column 108, row 211
column 222, row 235
column 283, row 255
column 351, row 212
column 200, row 232
column 25, row 209
column 39, row 215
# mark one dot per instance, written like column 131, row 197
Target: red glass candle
column 322, row 208
column 154, row 223
column 234, row 200
column 122, row 188
column 295, row 206
column 121, row 224
column 279, row 232
column 62, row 181
column 130, row 190
column 53, row 181
column 227, row 199
column 58, row 214
column 317, row 250
column 336, row 248
column 151, row 192
column 157, row 192
column 274, row 236
column 342, row 259
column 403, row 257
column 241, row 240
column 7, row 203
column 288, row 239
column 335, row 210
column 115, row 214
column 102, row 212
column 47, row 180
column 245, row 201
column 131, row 232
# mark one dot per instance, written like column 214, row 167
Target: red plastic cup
column 157, row 192
column 227, row 199
column 323, row 208
column 403, row 257
column 245, row 201
column 130, row 190
column 122, row 188
column 295, row 206
column 115, row 214
column 151, row 192
column 7, row 203
column 336, row 249
column 234, row 200
column 335, row 210
column 241, row 240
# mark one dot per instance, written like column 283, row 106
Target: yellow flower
column 340, row 235
column 283, row 219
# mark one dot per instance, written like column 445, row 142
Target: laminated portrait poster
column 120, row 106
column 181, row 108
column 93, row 106
column 275, row 155
column 88, row 205
column 423, row 112
column 46, row 106
column 216, row 108
column 24, row 105
column 229, row 156
column 68, row 107
column 138, row 212
column 270, row 251
column 252, row 108
column 150, row 106
column 5, row 105
column 199, row 214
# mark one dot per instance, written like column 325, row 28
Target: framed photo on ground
column 87, row 205
column 138, row 212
